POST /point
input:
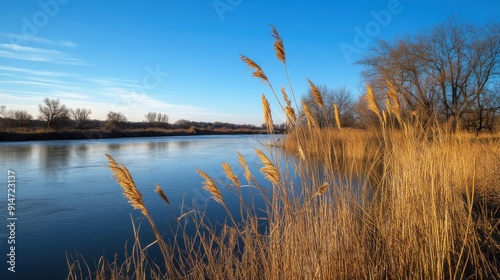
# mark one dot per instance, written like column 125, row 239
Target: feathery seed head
column 210, row 186
column 289, row 111
column 337, row 115
column 160, row 192
column 316, row 94
column 372, row 102
column 269, row 170
column 301, row 153
column 322, row 189
column 268, row 118
column 244, row 165
column 125, row 180
column 278, row 45
column 258, row 73
column 394, row 104
column 285, row 96
column 231, row 176
column 311, row 121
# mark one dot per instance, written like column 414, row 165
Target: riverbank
column 102, row 133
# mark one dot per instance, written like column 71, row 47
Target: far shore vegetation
column 56, row 122
column 403, row 183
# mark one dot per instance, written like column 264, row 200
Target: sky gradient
column 182, row 58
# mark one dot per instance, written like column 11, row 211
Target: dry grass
column 412, row 203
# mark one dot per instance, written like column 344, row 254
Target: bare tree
column 325, row 116
column 446, row 72
column 162, row 118
column 182, row 123
column 2, row 110
column 80, row 116
column 23, row 118
column 52, row 112
column 151, row 117
column 156, row 119
column 17, row 118
column 117, row 119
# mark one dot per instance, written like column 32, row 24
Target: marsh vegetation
column 412, row 196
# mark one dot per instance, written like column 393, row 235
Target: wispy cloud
column 22, row 38
column 101, row 94
column 18, row 52
column 113, row 82
column 34, row 72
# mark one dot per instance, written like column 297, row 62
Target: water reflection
column 183, row 144
column 158, row 146
column 114, row 147
column 54, row 159
column 20, row 152
column 81, row 150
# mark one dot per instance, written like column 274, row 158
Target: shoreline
column 106, row 134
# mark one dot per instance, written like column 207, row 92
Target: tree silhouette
column 81, row 116
column 52, row 111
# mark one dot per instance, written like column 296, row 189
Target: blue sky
column 182, row 57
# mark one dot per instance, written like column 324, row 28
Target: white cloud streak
column 18, row 52
column 22, row 38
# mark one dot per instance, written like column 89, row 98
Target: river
column 66, row 201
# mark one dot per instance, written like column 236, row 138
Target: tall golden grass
column 394, row 202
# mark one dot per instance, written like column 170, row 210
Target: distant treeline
column 53, row 115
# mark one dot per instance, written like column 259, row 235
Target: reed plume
column 269, row 170
column 210, row 186
column 394, row 105
column 337, row 116
column 244, row 165
column 129, row 189
column 258, row 73
column 372, row 102
column 316, row 94
column 311, row 121
column 162, row 195
column 322, row 189
column 278, row 45
column 268, row 118
column 231, row 176
column 285, row 96
column 289, row 111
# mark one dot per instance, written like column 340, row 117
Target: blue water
column 67, row 202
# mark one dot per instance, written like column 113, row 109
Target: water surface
column 66, row 199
